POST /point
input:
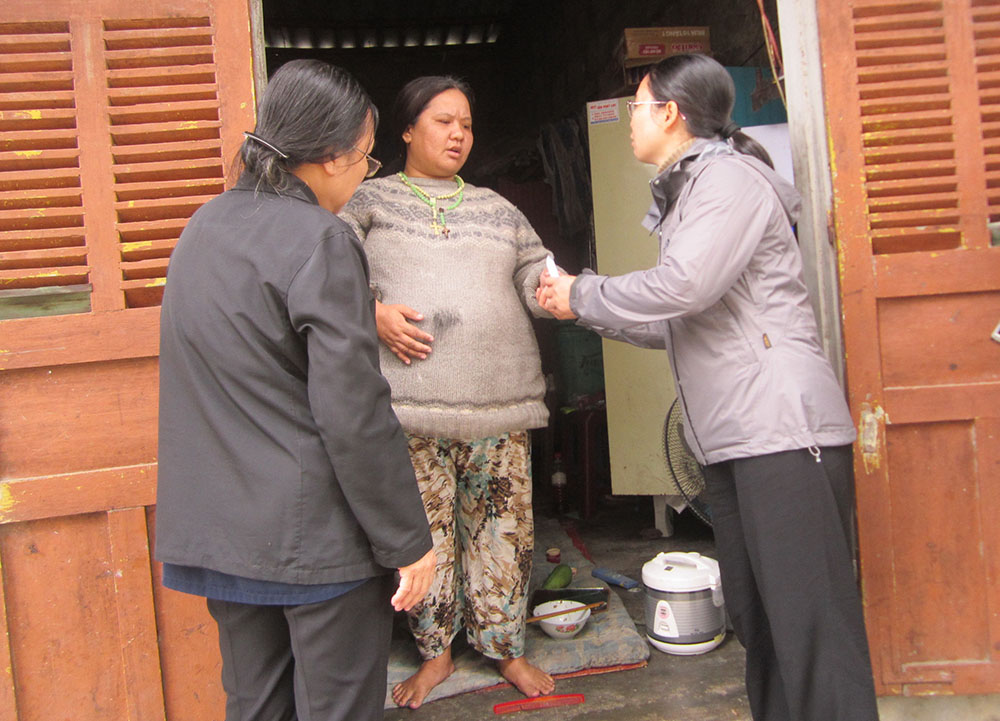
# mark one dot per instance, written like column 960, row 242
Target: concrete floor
column 708, row 687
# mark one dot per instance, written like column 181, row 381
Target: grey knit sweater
column 475, row 288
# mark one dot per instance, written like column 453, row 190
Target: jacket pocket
column 722, row 332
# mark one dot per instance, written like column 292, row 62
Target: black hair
column 704, row 93
column 310, row 112
column 414, row 98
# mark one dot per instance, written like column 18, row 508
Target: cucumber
column 559, row 578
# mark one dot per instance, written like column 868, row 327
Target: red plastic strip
column 577, row 540
column 531, row 704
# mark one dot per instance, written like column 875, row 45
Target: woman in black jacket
column 286, row 495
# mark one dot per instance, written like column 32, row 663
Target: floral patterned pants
column 477, row 495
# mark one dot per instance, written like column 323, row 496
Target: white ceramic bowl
column 565, row 626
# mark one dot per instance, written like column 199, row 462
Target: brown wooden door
column 913, row 102
column 117, row 120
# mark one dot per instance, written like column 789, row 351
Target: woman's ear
column 668, row 114
column 407, row 135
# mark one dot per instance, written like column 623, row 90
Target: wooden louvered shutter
column 42, row 236
column 165, row 129
column 913, row 101
column 113, row 136
column 118, row 119
column 986, row 44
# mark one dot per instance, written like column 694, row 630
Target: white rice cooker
column 685, row 613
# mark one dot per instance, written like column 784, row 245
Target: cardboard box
column 645, row 46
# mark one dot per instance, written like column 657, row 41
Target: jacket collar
column 295, row 189
column 666, row 186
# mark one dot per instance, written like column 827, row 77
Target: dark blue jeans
column 783, row 527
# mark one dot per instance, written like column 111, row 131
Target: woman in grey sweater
column 454, row 271
column 763, row 409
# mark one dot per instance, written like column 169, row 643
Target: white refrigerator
column 637, row 381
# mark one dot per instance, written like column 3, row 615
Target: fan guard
column 683, row 466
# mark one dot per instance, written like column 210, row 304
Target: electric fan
column 683, row 466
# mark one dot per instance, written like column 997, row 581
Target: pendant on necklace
column 440, row 228
column 438, row 224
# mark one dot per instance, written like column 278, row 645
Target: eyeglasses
column 373, row 165
column 630, row 104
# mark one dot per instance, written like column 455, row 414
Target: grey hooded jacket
column 728, row 302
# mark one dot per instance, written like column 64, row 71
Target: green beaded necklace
column 437, row 214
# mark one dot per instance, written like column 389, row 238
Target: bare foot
column 530, row 680
column 414, row 690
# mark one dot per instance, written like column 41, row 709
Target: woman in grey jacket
column 286, row 495
column 765, row 414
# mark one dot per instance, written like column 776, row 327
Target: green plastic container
column 581, row 362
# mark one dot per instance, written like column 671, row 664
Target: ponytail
column 743, row 143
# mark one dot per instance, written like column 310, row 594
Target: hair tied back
column 266, row 144
column 729, row 130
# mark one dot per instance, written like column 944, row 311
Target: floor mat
column 609, row 641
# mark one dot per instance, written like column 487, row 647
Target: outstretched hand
column 399, row 335
column 414, row 582
column 553, row 294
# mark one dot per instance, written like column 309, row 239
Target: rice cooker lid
column 680, row 571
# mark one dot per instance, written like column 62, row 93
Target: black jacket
column 280, row 457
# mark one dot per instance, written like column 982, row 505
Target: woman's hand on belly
column 399, row 334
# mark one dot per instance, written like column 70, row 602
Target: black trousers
column 315, row 662
column 783, row 534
